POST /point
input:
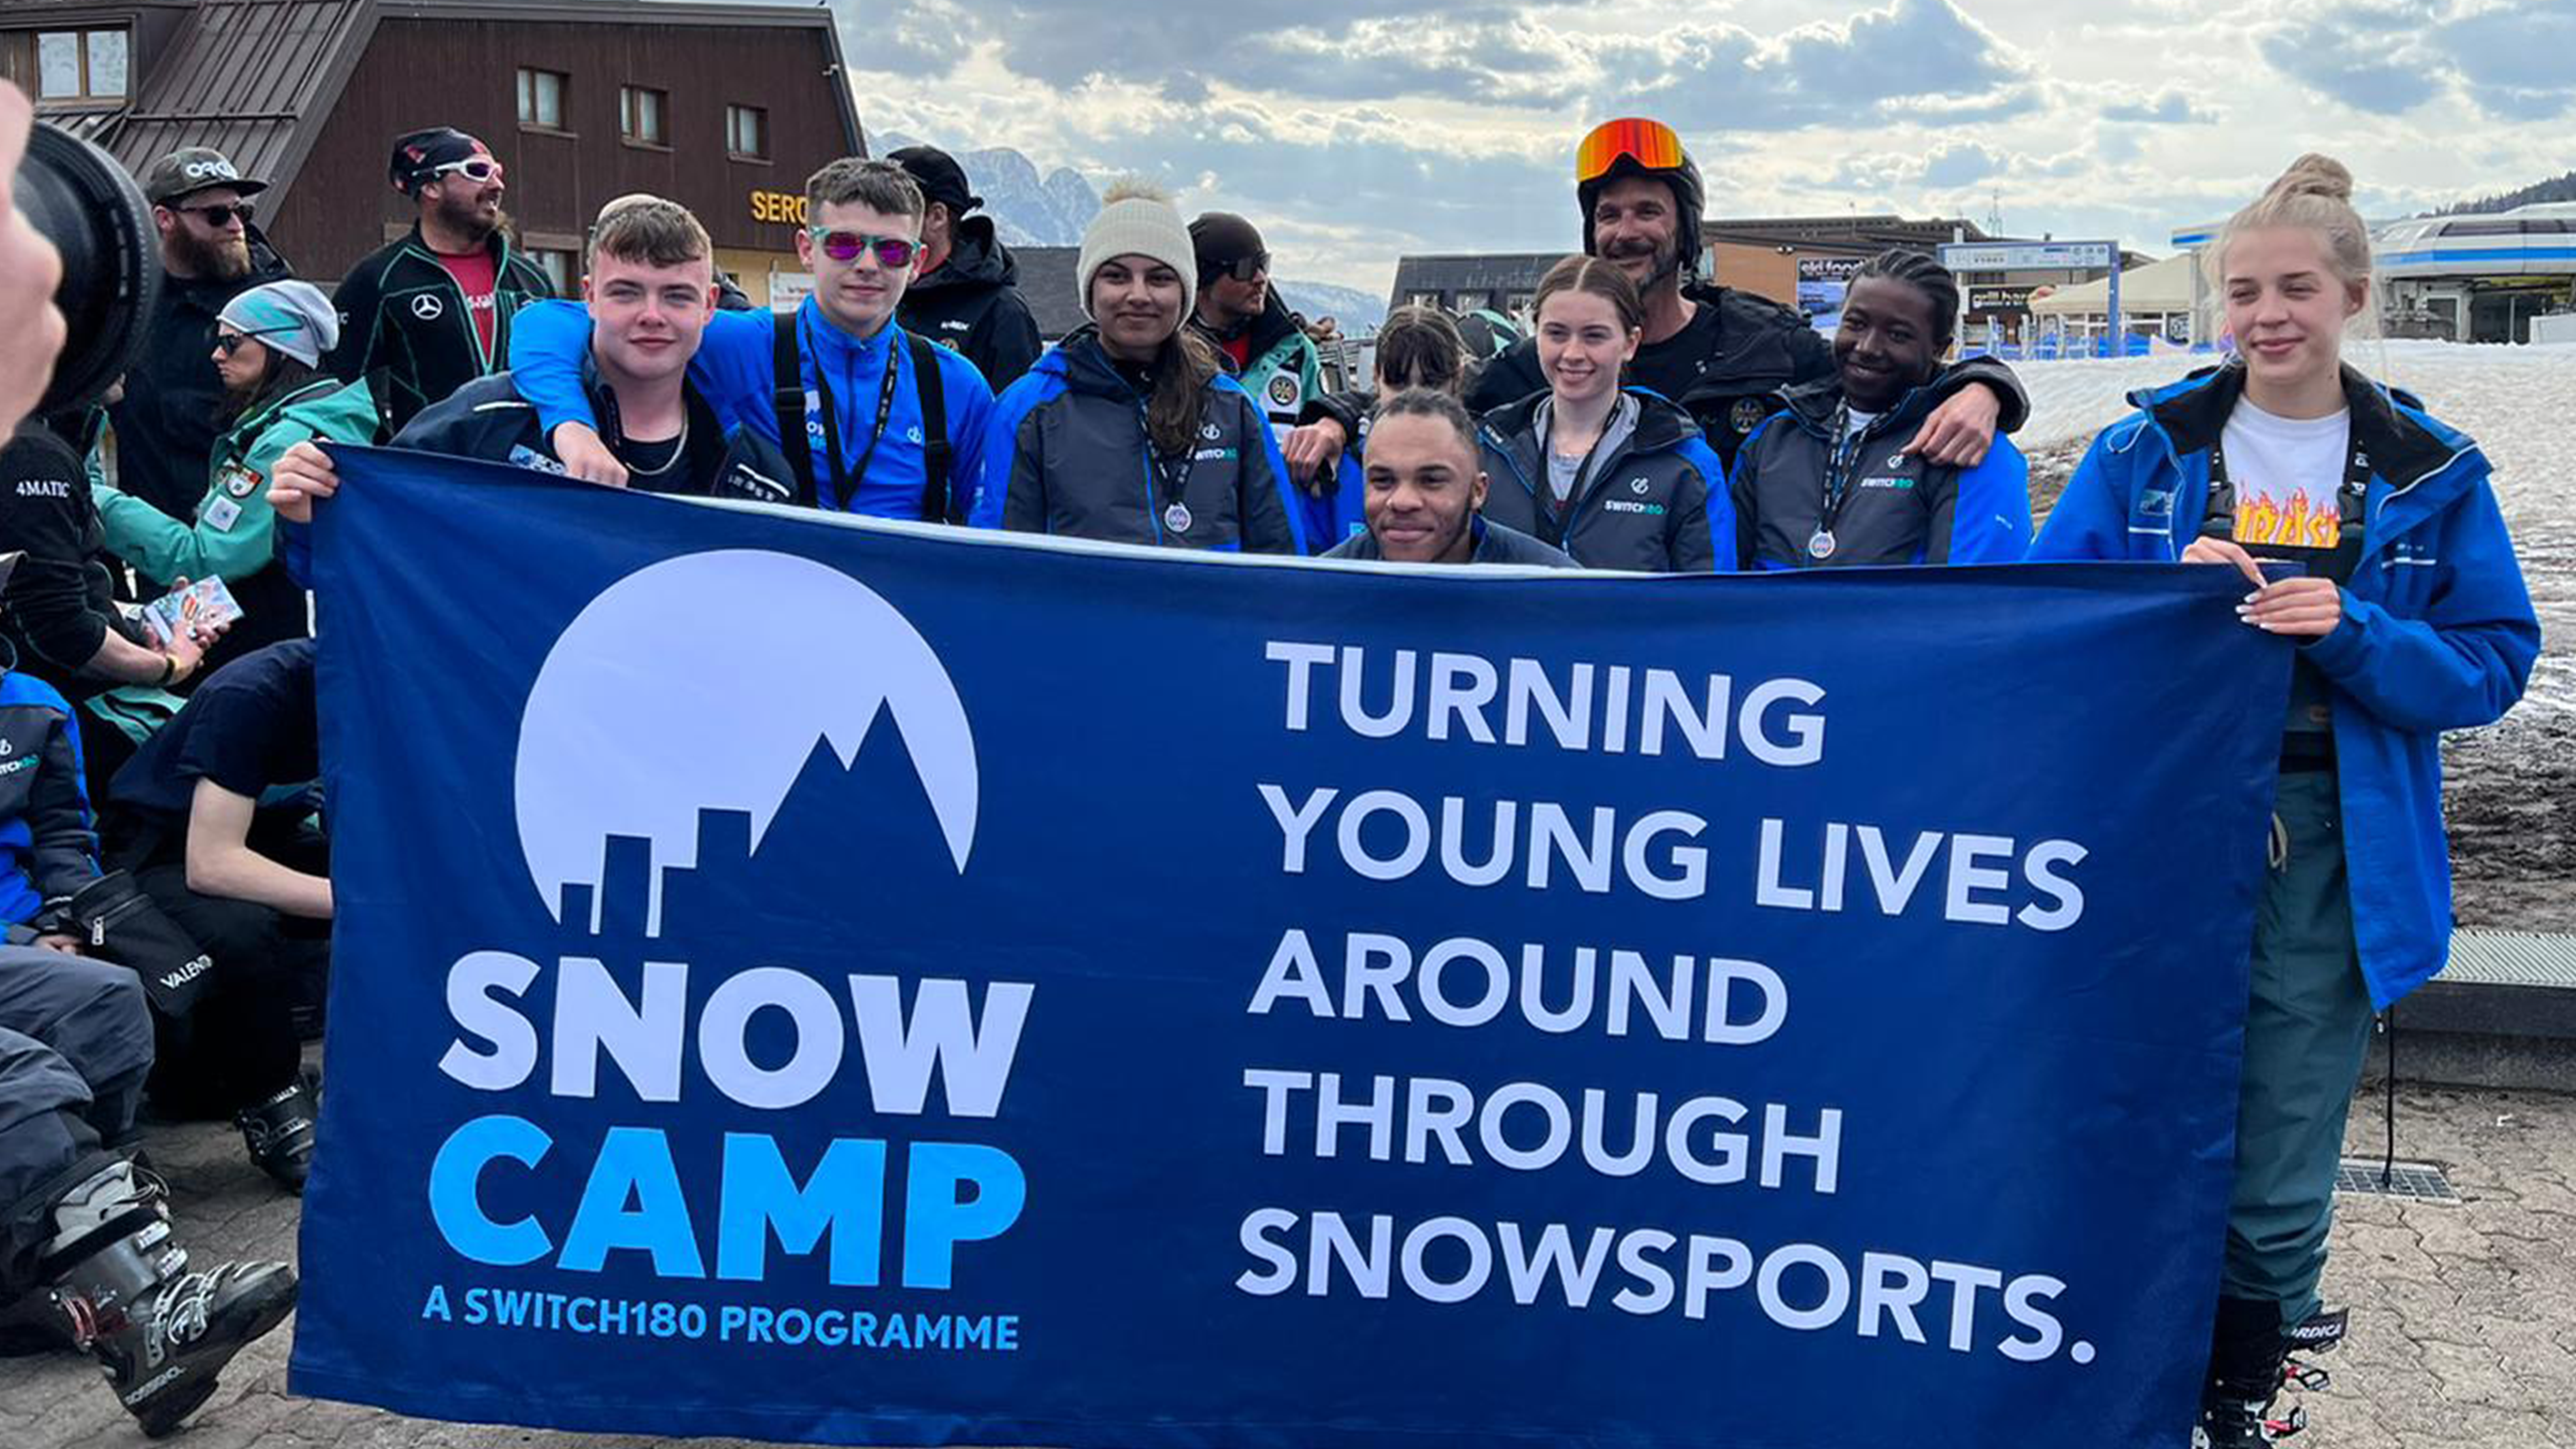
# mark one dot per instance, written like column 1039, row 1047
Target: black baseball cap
column 194, row 168
column 418, row 156
column 939, row 176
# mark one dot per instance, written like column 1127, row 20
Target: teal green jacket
column 234, row 535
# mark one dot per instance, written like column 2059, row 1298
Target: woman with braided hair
column 1826, row 482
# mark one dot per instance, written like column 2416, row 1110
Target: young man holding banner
column 873, row 419
column 650, row 290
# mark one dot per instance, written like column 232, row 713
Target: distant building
column 723, row 108
column 1464, row 282
column 2481, row 278
column 1806, row 261
column 1798, row 261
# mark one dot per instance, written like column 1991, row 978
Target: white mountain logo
column 702, row 683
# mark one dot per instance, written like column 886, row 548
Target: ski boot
column 2318, row 1335
column 159, row 1332
column 2245, row 1357
column 279, row 1134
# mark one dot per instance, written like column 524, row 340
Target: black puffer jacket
column 972, row 306
column 1652, row 502
column 167, row 423
column 61, row 600
column 1068, row 454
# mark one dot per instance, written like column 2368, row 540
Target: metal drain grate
column 2413, row 1181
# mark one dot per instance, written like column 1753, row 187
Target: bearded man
column 211, row 252
column 431, row 311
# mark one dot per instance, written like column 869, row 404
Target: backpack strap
column 787, row 380
column 938, row 503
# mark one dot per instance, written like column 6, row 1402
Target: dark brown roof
column 238, row 76
column 1496, row 273
column 1047, row 284
column 243, row 76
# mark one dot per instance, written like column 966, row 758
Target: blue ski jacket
column 2437, row 631
column 735, row 370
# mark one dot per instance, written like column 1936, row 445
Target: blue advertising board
column 810, row 980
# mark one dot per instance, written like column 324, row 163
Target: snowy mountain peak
column 1026, row 210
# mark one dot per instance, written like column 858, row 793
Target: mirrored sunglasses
column 893, row 252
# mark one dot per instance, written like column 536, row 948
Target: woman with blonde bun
column 2410, row 617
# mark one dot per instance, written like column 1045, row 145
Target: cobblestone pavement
column 2464, row 1317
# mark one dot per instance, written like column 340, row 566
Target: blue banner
column 821, row 981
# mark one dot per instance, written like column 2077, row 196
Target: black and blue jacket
column 1495, row 544
column 1898, row 508
column 488, row 419
column 1332, row 507
column 736, row 368
column 1656, row 504
column 48, row 848
column 1068, row 453
column 2437, row 631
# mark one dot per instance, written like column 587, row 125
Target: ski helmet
column 1635, row 146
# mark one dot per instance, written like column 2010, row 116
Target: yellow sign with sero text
column 786, row 208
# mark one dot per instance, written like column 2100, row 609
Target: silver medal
column 1177, row 518
column 1820, row 544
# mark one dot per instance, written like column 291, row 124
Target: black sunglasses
column 229, row 343
column 1242, row 269
column 218, row 215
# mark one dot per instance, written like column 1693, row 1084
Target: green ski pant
column 2307, row 1027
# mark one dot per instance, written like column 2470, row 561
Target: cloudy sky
column 1355, row 130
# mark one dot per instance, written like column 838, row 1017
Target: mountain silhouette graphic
column 678, row 694
column 851, row 848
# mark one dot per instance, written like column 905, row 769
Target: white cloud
column 1358, row 129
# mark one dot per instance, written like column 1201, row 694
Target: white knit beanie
column 1137, row 220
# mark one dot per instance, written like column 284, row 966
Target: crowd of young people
column 1650, row 422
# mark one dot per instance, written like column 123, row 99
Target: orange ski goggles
column 1651, row 144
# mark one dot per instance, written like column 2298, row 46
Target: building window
column 80, row 65
column 640, row 115
column 747, row 132
column 541, row 98
column 561, row 268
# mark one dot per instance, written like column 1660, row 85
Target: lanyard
column 841, row 499
column 1842, row 460
column 1555, row 518
column 1173, row 474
